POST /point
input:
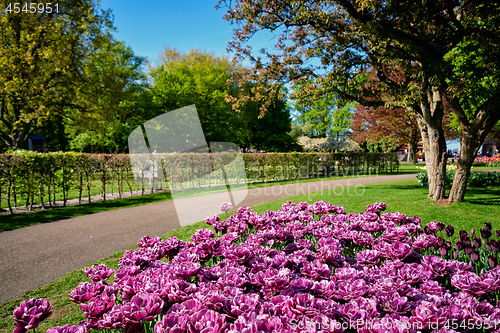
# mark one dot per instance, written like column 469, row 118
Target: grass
column 481, row 205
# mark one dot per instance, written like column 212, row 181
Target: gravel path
column 33, row 256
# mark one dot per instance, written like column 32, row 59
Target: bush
column 30, row 177
column 476, row 179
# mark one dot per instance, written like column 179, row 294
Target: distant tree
column 113, row 79
column 270, row 132
column 327, row 116
column 41, row 59
column 395, row 126
column 198, row 77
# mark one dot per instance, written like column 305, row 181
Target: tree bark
column 412, row 150
column 430, row 114
column 468, row 150
column 474, row 132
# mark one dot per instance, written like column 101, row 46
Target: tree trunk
column 467, row 154
column 412, row 150
column 435, row 160
column 430, row 114
column 470, row 142
column 474, row 132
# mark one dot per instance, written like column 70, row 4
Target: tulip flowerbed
column 303, row 268
column 493, row 161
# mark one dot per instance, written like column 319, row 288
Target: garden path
column 35, row 255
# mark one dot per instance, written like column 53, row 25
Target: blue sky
column 147, row 26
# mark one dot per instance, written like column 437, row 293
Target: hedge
column 31, row 176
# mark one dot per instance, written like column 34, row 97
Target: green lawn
column 480, row 205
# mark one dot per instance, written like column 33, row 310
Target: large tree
column 112, row 79
column 446, row 49
column 201, row 78
column 41, row 57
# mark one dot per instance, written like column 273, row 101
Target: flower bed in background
column 304, row 268
column 493, row 161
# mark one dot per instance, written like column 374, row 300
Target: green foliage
column 326, row 117
column 114, row 79
column 482, row 179
column 30, row 177
column 476, row 179
column 270, row 132
column 200, row 78
column 42, row 58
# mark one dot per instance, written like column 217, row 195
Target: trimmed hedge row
column 31, row 177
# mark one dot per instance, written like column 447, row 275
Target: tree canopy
column 201, row 78
column 444, row 50
column 41, row 62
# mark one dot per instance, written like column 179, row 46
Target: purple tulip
column 368, row 257
column 485, row 233
column 206, row 321
column 424, row 242
column 96, row 307
column 98, row 272
column 114, row 319
column 469, row 283
column 392, row 303
column 474, row 255
column 376, row 208
column 80, row 328
column 492, row 261
column 85, row 291
column 348, row 290
column 172, row 323
column 399, row 250
column 431, row 287
column 435, row 264
column 211, row 220
column 142, row 307
column 147, row 241
column 180, row 290
column 225, row 207
column 30, row 314
column 449, row 231
column 185, row 270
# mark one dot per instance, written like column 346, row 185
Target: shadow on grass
column 487, row 196
column 491, row 202
column 11, row 222
column 399, row 187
